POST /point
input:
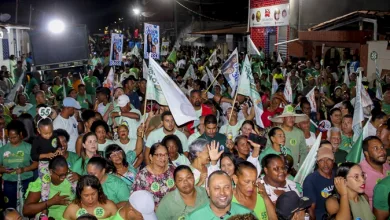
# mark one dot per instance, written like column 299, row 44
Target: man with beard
column 200, row 108
column 318, row 186
column 220, row 190
column 168, row 127
column 374, row 164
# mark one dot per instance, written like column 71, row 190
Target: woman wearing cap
column 275, row 179
column 349, row 200
column 247, row 194
column 90, row 199
column 114, row 188
column 157, row 177
column 101, row 129
column 242, row 150
column 278, row 140
column 290, row 207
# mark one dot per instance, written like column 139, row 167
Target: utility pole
column 16, row 11
column 29, row 20
column 175, row 19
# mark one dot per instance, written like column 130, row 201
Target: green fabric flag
column 173, row 56
column 355, row 155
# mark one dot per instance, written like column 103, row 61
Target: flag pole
column 230, row 116
column 212, row 83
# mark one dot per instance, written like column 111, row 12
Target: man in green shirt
column 346, row 133
column 386, row 102
column 220, row 190
column 211, row 133
column 91, row 83
column 381, row 199
column 83, row 98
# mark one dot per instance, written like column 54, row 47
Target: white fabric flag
column 288, row 91
column 251, row 47
column 213, row 58
column 274, row 86
column 181, row 108
column 211, row 77
column 366, row 99
column 279, row 59
column 346, row 76
column 378, row 93
column 312, row 100
column 231, row 70
column 190, row 73
column 358, row 115
column 247, row 87
column 145, row 70
column 307, row 167
column 12, row 94
column 153, row 89
column 135, row 51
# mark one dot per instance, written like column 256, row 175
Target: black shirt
column 43, row 146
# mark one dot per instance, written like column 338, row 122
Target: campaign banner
column 151, row 41
column 275, row 15
column 164, row 48
column 116, row 49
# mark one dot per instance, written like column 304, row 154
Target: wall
column 260, row 35
column 383, row 58
column 13, row 36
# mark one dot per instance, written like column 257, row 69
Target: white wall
column 383, row 60
column 14, row 36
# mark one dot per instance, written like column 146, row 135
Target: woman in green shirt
column 61, row 192
column 251, row 194
column 88, row 151
column 90, row 199
column 15, row 160
column 277, row 139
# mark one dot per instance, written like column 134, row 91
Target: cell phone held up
column 262, row 141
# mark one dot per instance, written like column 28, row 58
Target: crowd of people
column 74, row 148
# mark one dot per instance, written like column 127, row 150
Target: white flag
column 274, row 86
column 190, row 73
column 81, row 79
column 153, row 89
column 358, row 115
column 288, row 91
column 366, row 99
column 247, row 87
column 181, row 108
column 378, row 93
column 307, row 167
column 312, row 100
column 135, row 51
column 12, row 94
column 346, row 76
column 279, row 59
column 145, row 70
column 213, row 58
column 211, row 77
column 251, row 47
column 230, row 69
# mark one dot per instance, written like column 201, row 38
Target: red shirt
column 205, row 111
column 266, row 116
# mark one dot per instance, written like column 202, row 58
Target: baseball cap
column 324, row 152
column 289, row 202
column 71, row 102
column 123, row 100
column 143, row 202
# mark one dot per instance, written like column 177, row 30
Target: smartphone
column 258, row 139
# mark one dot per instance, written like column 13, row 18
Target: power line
column 205, row 16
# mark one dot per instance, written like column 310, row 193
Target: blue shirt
column 134, row 100
column 317, row 188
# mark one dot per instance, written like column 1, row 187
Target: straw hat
column 289, row 111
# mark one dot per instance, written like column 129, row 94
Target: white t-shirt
column 18, row 110
column 127, row 147
column 290, row 186
column 235, row 129
column 192, row 138
column 371, row 129
column 181, row 160
column 69, row 125
column 102, row 147
column 158, row 134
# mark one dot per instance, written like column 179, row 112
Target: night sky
column 100, row 13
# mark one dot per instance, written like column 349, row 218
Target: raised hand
column 341, row 186
column 213, row 151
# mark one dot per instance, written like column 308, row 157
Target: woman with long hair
column 90, row 198
column 242, row 150
column 88, row 117
column 88, row 151
column 349, row 200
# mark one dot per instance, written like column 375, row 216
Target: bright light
column 136, row 11
column 56, row 26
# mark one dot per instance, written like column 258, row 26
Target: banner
column 153, row 89
column 247, row 87
column 212, row 78
column 181, row 108
column 116, row 49
column 275, row 15
column 312, row 100
column 151, row 41
column 230, row 69
column 190, row 73
column 164, row 48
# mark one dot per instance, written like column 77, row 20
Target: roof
column 351, row 16
column 230, row 30
column 14, row 26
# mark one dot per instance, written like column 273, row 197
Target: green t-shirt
column 346, row 143
column 205, row 212
column 296, row 142
column 260, row 209
column 270, row 150
column 340, row 156
column 16, row 157
column 172, row 205
column 31, row 84
column 91, row 83
column 115, row 189
column 55, row 211
column 386, row 108
column 381, row 195
column 77, row 166
column 158, row 134
column 82, row 102
column 72, row 158
column 33, row 110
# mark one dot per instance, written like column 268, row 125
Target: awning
column 191, row 39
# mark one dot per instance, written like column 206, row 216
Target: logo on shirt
column 54, row 143
column 326, row 192
column 293, row 142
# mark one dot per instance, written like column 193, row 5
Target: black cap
column 289, row 202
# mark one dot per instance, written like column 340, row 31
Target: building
column 14, row 41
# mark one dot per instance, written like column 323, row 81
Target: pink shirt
column 373, row 177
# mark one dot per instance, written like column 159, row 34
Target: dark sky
column 99, row 13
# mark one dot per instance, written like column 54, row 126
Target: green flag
column 355, row 155
column 173, row 56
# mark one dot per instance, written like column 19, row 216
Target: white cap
column 143, row 202
column 123, row 100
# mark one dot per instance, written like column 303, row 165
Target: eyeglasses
column 116, row 153
column 161, row 155
column 62, row 176
column 356, row 176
